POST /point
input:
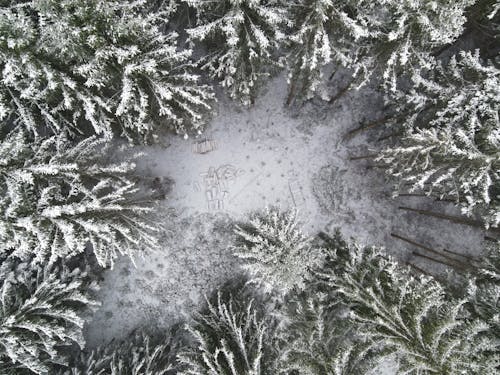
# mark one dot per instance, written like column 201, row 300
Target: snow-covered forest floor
column 268, row 154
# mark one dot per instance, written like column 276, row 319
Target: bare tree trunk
column 449, row 200
column 437, row 261
column 468, row 257
column 333, row 74
column 341, row 92
column 291, row 94
column 452, row 218
column 414, row 243
column 395, row 134
column 363, row 157
column 369, row 126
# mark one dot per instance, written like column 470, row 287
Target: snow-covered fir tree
column 231, row 337
column 58, row 198
column 313, row 339
column 456, row 153
column 139, row 354
column 277, row 255
column 406, row 32
column 95, row 65
column 324, row 32
column 241, row 38
column 40, row 315
column 484, row 293
column 412, row 317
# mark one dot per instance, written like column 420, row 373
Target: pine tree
column 315, row 340
column 40, row 315
column 56, row 199
column 277, row 255
column 232, row 337
column 324, row 33
column 139, row 354
column 412, row 316
column 455, row 154
column 241, row 38
column 99, row 64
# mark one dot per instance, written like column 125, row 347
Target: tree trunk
column 437, row 260
column 291, row 94
column 460, row 264
column 363, row 157
column 468, row 257
column 395, row 134
column 341, row 92
column 368, row 126
column 452, row 218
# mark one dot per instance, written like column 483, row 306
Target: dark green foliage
column 139, row 354
column 96, row 66
column 232, row 337
column 241, row 38
column 411, row 316
column 314, row 339
column 40, row 315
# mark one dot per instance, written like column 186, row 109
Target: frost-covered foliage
column 241, row 37
column 57, row 198
column 411, row 316
column 325, row 31
column 40, row 315
column 456, row 153
column 232, row 337
column 390, row 36
column 407, row 31
column 484, row 292
column 315, row 340
column 277, row 254
column 137, row 355
column 96, row 65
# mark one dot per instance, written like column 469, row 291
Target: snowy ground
column 266, row 155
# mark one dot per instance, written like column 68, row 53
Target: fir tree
column 407, row 31
column 40, row 315
column 56, row 199
column 232, row 337
column 456, row 153
column 315, row 340
column 277, row 255
column 139, row 354
column 104, row 64
column 241, row 37
column 324, row 33
column 411, row 316
column 484, row 294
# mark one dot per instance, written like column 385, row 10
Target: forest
column 249, row 187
